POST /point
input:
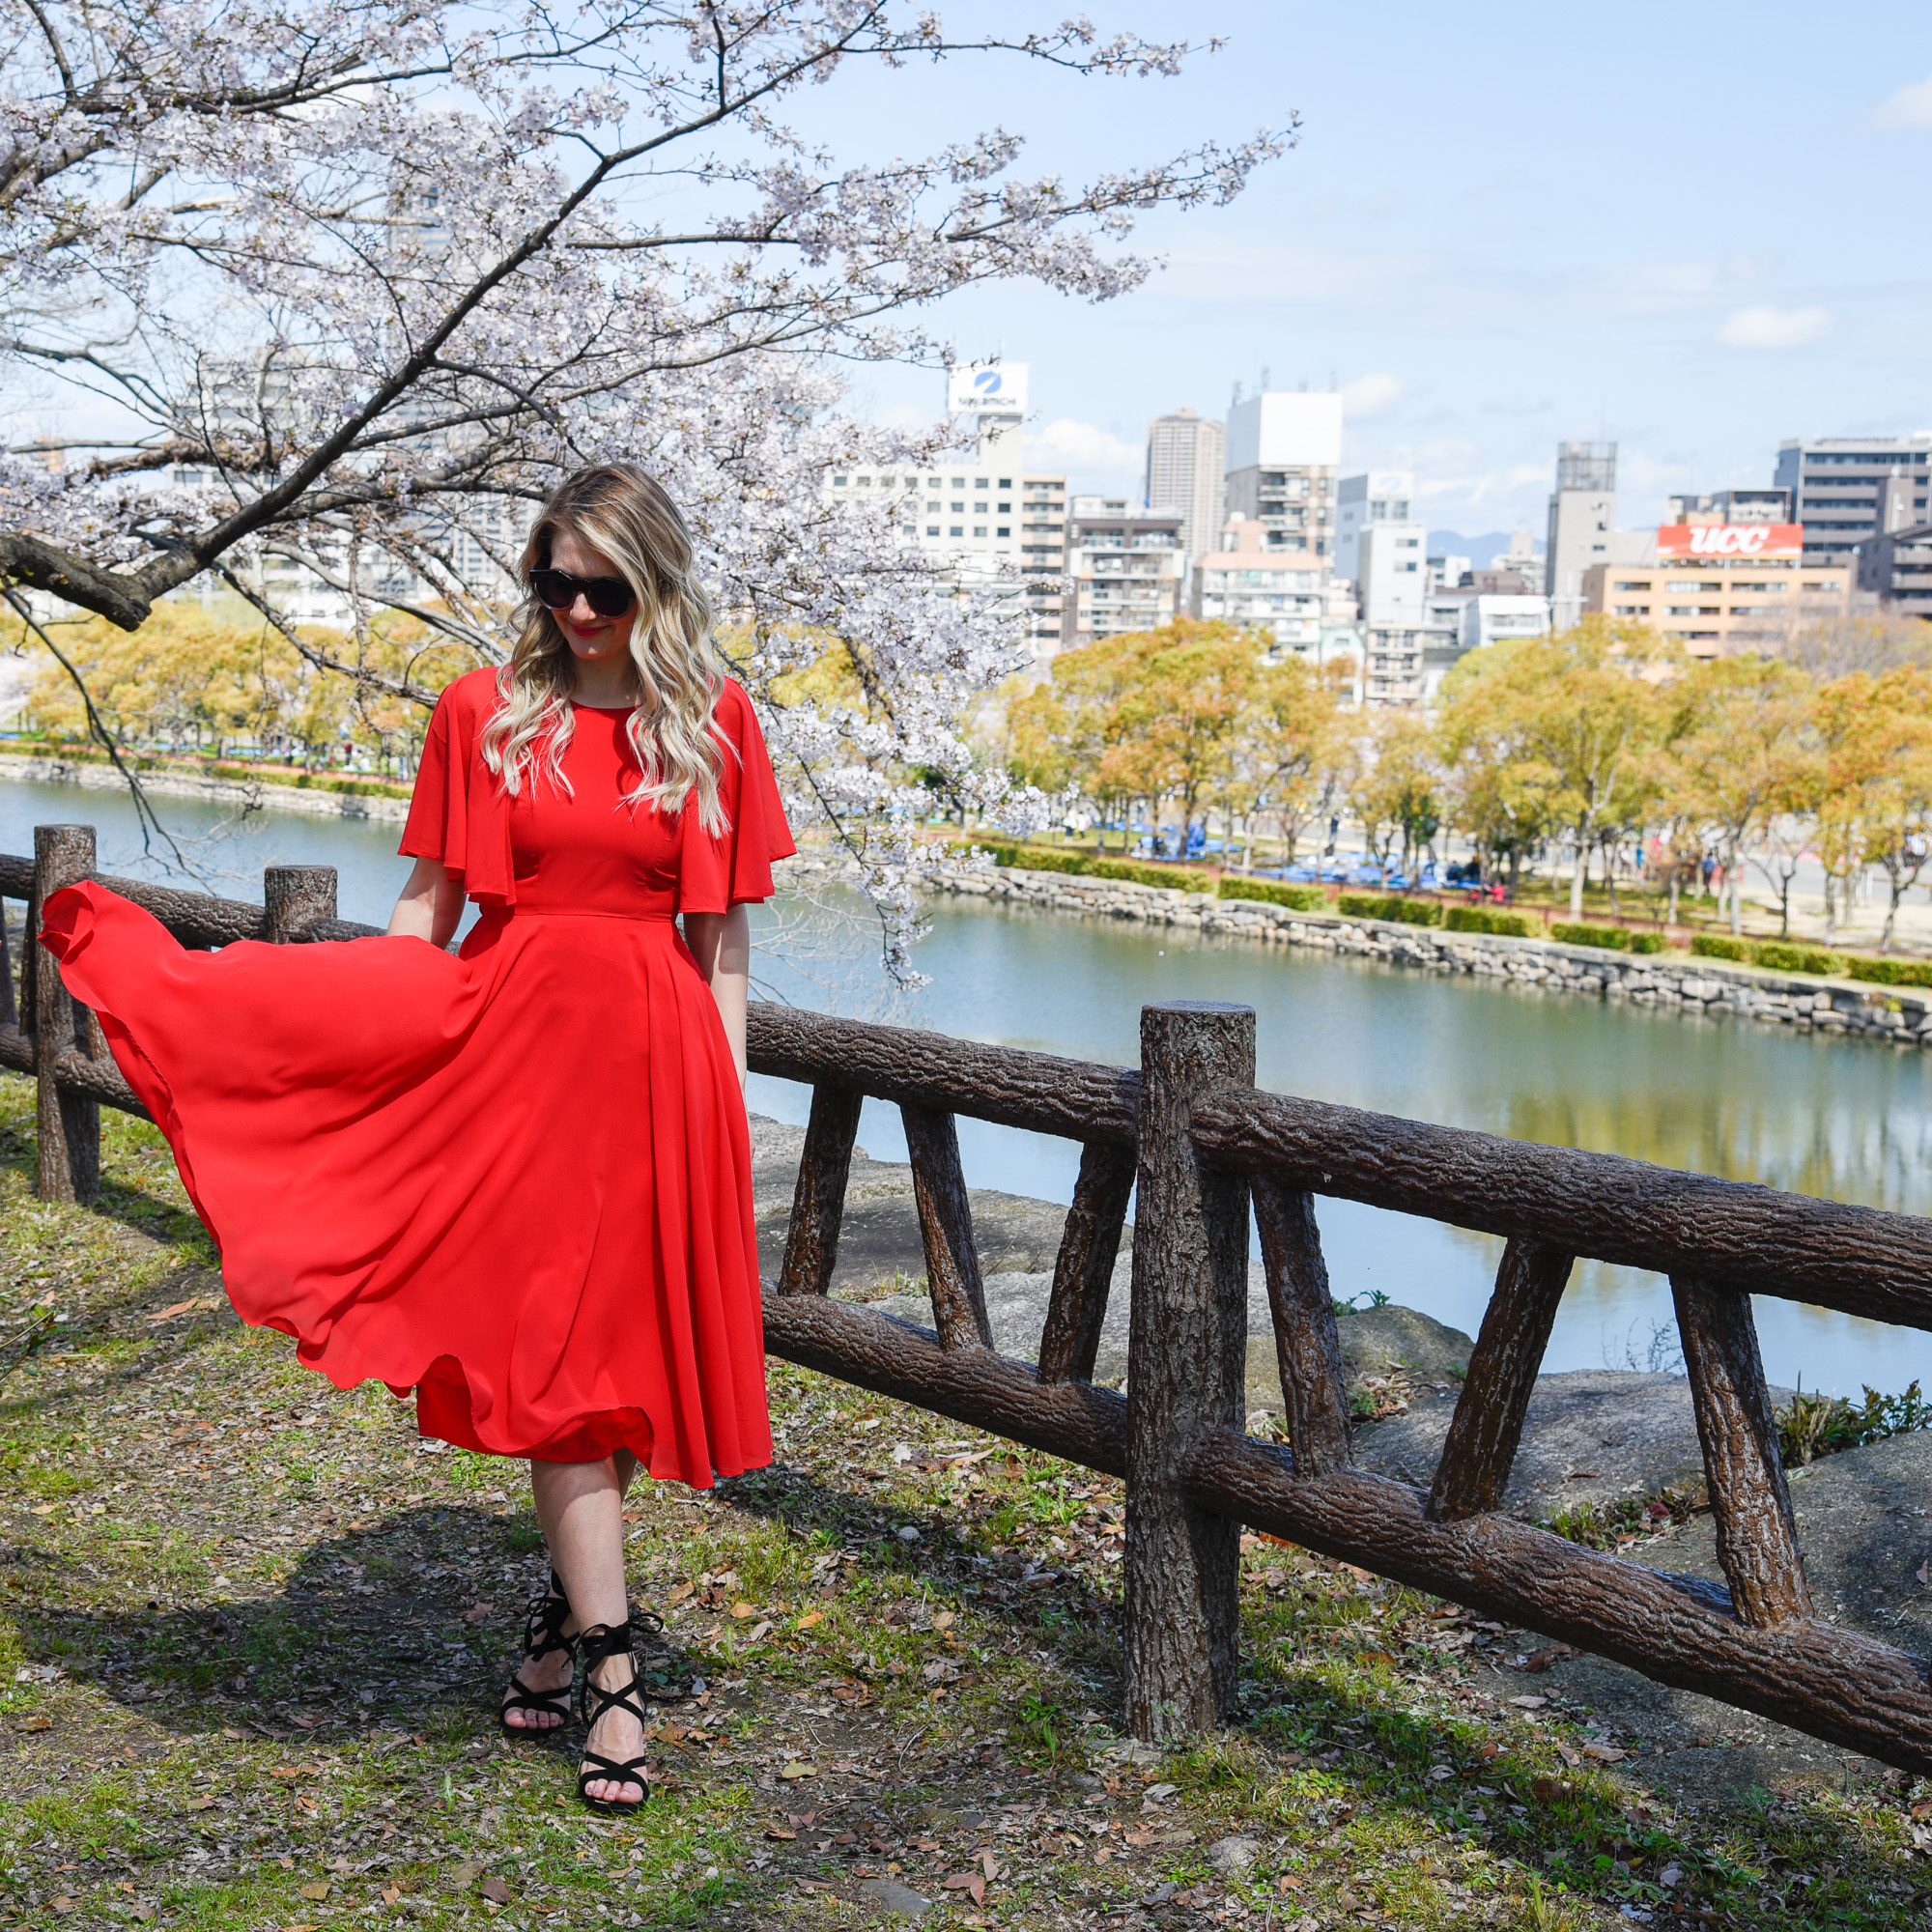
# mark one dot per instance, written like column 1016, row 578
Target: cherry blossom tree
column 375, row 271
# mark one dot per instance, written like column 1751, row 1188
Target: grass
column 251, row 1635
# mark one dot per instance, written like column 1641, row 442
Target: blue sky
column 1695, row 231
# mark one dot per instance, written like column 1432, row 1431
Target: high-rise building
column 1897, row 567
column 1127, row 567
column 1844, row 487
column 1187, row 454
column 1043, row 562
column 1284, row 454
column 1712, row 604
column 1390, row 580
column 1274, row 591
column 1378, row 497
column 965, row 508
column 1582, row 518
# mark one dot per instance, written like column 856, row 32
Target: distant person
column 517, row 1179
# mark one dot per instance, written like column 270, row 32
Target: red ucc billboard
column 1730, row 540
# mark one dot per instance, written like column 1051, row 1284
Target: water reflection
column 1845, row 1121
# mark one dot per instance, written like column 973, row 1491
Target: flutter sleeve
column 458, row 813
column 734, row 867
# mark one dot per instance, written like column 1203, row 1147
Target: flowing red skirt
column 517, row 1180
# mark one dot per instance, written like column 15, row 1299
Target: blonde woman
column 515, row 1179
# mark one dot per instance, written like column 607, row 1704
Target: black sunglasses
column 558, row 590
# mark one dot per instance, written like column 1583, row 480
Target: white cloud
column 1909, row 108
column 1092, row 456
column 1762, row 327
column 1372, row 394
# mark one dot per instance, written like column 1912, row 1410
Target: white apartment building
column 965, row 508
column 1278, row 592
column 1284, row 456
column 1391, row 580
column 1126, row 565
column 1043, row 562
column 1186, row 456
column 1377, row 496
column 1488, row 618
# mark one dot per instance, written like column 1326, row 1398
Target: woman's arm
column 721, row 942
column 431, row 906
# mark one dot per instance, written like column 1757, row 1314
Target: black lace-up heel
column 543, row 1637
column 596, row 1646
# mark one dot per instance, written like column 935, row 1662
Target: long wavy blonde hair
column 619, row 511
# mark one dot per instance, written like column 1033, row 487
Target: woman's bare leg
column 581, row 1506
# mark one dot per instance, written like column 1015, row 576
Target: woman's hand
column 431, row 906
column 721, row 942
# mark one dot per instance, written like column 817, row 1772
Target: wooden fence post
column 69, row 1125
column 1186, row 1357
column 297, row 897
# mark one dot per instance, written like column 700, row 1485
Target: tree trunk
column 1579, row 873
column 1676, row 884
column 1737, row 886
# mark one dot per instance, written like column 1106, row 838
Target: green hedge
column 1891, row 972
column 1779, row 956
column 1085, row 865
column 1275, row 892
column 1782, row 958
column 1480, row 919
column 1715, row 946
column 1616, row 938
column 1404, row 912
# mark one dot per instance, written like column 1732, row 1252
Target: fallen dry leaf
column 1529, row 1703
column 743, row 1610
column 496, row 1891
column 779, row 1832
column 1605, row 1753
column 796, row 1771
column 680, row 1591
column 316, row 1887
column 202, row 1804
column 810, row 1617
column 969, row 1881
column 1554, row 1652
column 181, row 1308
column 37, row 1722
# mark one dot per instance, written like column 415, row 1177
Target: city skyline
column 1492, row 243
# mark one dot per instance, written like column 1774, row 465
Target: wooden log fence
column 1189, row 1134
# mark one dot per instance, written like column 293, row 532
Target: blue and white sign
column 988, row 388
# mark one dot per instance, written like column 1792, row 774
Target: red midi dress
column 515, row 1179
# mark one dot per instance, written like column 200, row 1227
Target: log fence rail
column 1190, row 1138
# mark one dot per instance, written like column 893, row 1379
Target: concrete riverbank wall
column 1899, row 1014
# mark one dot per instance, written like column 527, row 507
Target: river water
column 1846, row 1120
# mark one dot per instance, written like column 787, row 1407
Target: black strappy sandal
column 543, row 1637
column 597, row 1645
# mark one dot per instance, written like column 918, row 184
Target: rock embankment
column 307, row 801
column 1799, row 1001
column 1595, row 1440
